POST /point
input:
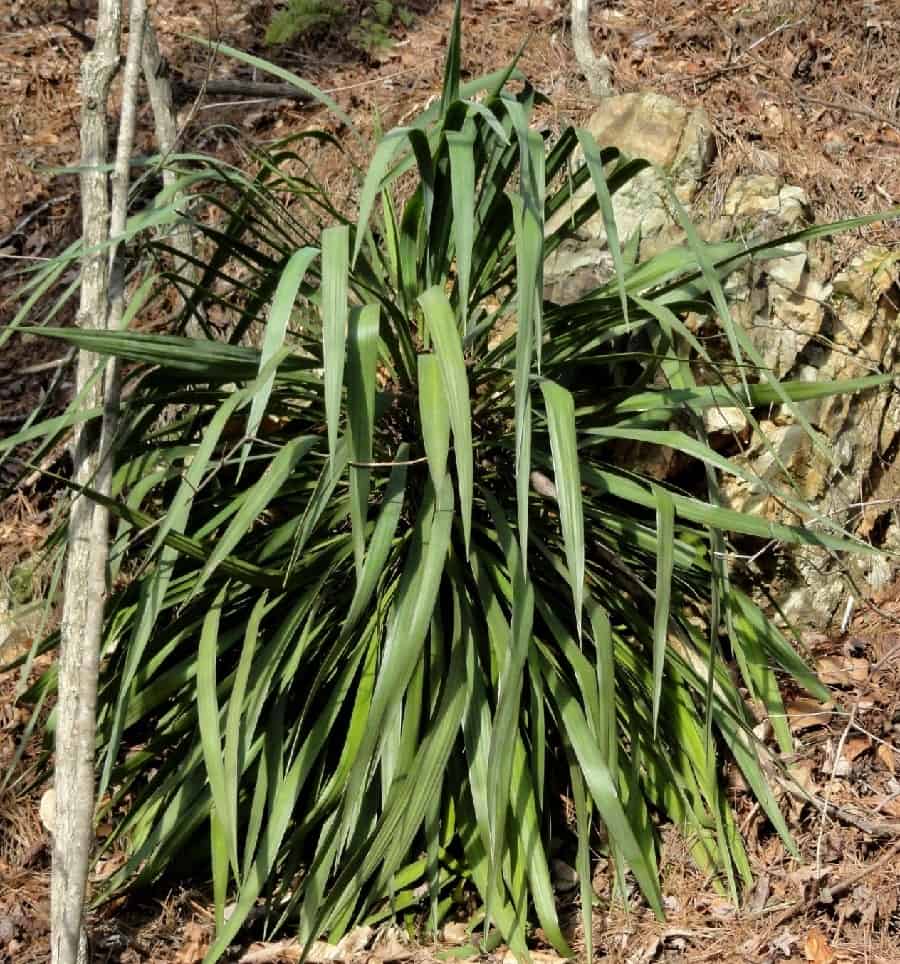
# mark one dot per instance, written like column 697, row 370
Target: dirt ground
column 806, row 89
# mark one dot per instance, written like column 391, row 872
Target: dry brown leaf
column 856, row 746
column 887, row 755
column 806, row 873
column 43, row 139
column 783, row 943
column 648, row 951
column 842, row 670
column 817, row 949
column 802, row 773
column 538, row 957
column 196, row 943
column 804, row 713
column 720, row 907
column 271, row 951
column 349, row 947
column 391, row 946
column 760, row 894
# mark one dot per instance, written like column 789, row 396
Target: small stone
column 728, row 420
column 456, row 932
column 47, row 810
column 565, row 877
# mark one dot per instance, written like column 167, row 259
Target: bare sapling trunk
column 88, row 537
column 597, row 70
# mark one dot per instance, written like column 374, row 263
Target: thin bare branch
column 597, row 70
column 159, row 91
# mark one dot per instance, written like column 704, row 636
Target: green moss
column 371, row 31
column 21, row 584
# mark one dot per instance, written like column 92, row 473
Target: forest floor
column 806, row 89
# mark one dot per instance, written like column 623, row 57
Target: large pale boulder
column 677, row 139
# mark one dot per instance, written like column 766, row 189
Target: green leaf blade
column 560, row 408
column 362, row 361
column 448, row 349
column 335, row 282
column 665, row 527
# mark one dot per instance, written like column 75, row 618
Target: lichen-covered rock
column 857, row 485
column 725, row 421
column 780, row 302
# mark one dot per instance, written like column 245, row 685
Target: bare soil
column 807, row 90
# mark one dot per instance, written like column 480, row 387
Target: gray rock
column 780, row 302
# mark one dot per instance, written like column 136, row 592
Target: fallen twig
column 262, row 90
column 20, row 227
column 42, row 367
column 880, row 830
column 182, row 88
column 835, row 105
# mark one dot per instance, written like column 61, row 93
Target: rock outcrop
column 849, row 331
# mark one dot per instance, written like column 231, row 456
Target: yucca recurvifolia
column 387, row 591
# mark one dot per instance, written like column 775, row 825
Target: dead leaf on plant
column 104, row 869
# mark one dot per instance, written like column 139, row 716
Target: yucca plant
column 384, row 590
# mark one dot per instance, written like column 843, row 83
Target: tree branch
column 159, row 91
column 261, row 89
column 597, row 70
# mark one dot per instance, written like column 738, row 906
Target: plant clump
column 389, row 594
